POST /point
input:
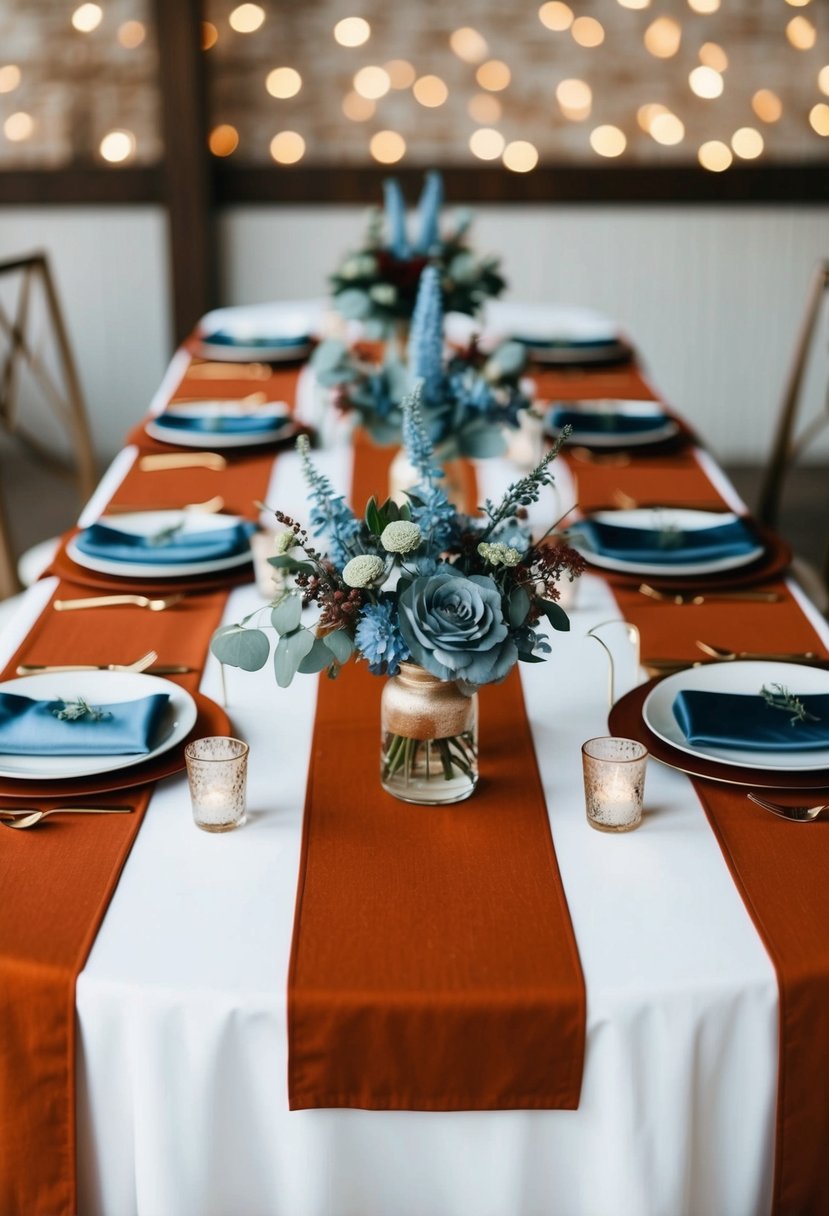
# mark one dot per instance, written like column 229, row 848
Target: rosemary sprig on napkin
column 75, row 711
column 777, row 696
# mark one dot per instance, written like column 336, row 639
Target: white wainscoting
column 110, row 267
column 712, row 295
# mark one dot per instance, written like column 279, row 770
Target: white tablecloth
column 182, row 1048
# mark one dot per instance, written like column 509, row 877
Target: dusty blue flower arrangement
column 462, row 596
column 467, row 400
column 377, row 284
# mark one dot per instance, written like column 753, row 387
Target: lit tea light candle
column 217, row 775
column 614, row 783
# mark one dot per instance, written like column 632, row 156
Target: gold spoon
column 25, row 817
column 110, row 601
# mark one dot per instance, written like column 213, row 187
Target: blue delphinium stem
column 330, row 514
column 431, row 200
column 426, row 336
column 396, row 217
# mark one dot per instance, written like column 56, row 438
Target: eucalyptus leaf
column 353, row 304
column 290, row 651
column 287, row 614
column 340, row 645
column 555, row 614
column 284, row 561
column 525, row 656
column 518, row 606
column 481, row 443
column 317, row 658
column 238, row 647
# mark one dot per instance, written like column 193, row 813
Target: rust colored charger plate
column 774, row 561
column 625, row 720
column 211, row 720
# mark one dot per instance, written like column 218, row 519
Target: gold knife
column 158, row 669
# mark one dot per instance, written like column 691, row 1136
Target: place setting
column 69, row 732
column 678, row 547
column 223, row 423
column 274, row 333
column 158, row 552
column 615, row 425
column 746, row 722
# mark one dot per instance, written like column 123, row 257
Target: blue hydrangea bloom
column 379, row 640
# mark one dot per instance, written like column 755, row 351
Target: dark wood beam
column 592, row 184
column 39, row 187
column 234, row 184
column 187, row 171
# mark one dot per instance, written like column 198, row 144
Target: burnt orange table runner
column 780, row 868
column 434, row 965
column 56, row 880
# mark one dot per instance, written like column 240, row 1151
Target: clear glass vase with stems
column 429, row 738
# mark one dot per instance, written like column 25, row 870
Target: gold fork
column 111, row 601
column 146, row 660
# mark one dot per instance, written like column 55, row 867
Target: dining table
column 180, row 1008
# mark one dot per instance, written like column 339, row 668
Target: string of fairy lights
column 488, row 101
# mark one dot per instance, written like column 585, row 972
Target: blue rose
column 454, row 627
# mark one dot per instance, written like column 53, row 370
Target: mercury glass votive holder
column 614, row 783
column 217, row 773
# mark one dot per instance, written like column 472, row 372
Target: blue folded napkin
column 565, row 343
column 745, row 721
column 668, row 546
column 223, row 424
column 32, row 728
column 101, row 540
column 606, row 422
column 222, row 338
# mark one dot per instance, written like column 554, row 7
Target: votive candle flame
column 614, row 783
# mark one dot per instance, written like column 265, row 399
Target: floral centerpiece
column 468, row 399
column 440, row 601
column 377, row 284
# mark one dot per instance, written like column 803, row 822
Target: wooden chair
column 789, row 444
column 62, row 394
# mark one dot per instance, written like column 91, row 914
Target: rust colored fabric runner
column 434, row 965
column 56, row 881
column 780, row 869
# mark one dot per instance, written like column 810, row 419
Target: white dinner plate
column 147, row 523
column 663, row 428
column 650, row 518
column 276, row 332
column 236, row 352
column 98, row 688
column 578, row 353
column 277, row 410
column 736, row 677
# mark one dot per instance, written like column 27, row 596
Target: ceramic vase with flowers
column 436, row 601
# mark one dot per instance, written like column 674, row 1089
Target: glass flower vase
column 403, row 476
column 429, row 738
